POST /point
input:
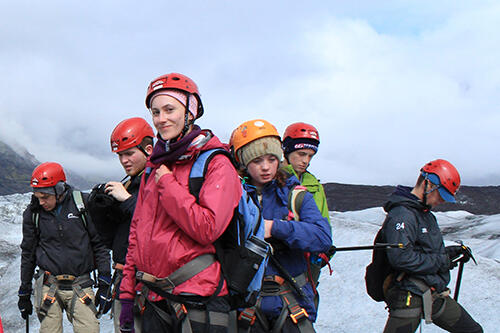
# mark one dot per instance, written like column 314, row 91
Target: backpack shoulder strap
column 35, row 217
column 199, row 169
column 295, row 200
column 80, row 205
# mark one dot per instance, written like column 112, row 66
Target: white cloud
column 390, row 86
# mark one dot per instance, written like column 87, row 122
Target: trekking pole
column 27, row 324
column 377, row 246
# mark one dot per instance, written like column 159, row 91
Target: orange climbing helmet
column 250, row 131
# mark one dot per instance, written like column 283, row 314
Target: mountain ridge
column 16, row 166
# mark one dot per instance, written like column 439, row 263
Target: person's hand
column 331, row 251
column 103, row 299
column 268, row 226
column 456, row 254
column 162, row 170
column 127, row 316
column 24, row 304
column 117, row 191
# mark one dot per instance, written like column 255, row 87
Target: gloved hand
column 103, row 299
column 456, row 254
column 24, row 304
column 331, row 251
column 127, row 316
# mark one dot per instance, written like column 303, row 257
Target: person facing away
column 287, row 297
column 170, row 228
column 300, row 144
column 63, row 242
column 422, row 267
column 112, row 207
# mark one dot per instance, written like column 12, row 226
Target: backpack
column 295, row 199
column 379, row 272
column 315, row 262
column 105, row 212
column 241, row 249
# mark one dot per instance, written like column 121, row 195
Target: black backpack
column 379, row 272
column 105, row 212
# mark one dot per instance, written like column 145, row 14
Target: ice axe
column 468, row 252
column 27, row 324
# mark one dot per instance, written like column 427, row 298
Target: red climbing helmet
column 301, row 130
column 47, row 174
column 129, row 133
column 174, row 81
column 449, row 178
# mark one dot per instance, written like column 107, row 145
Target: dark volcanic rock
column 15, row 171
column 474, row 199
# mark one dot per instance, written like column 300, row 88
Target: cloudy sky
column 390, row 85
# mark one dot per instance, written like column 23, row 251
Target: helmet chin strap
column 187, row 123
column 426, row 182
column 143, row 150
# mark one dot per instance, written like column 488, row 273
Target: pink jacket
column 169, row 228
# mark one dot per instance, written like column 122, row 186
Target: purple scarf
column 166, row 151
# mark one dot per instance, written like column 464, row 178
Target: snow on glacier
column 344, row 304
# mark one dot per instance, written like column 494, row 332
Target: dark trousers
column 288, row 327
column 446, row 313
column 152, row 322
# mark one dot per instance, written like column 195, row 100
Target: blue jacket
column 311, row 234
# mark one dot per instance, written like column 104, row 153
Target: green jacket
column 315, row 188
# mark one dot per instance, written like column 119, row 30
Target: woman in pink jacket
column 170, row 228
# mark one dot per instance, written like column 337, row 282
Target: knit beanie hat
column 260, row 147
column 181, row 97
column 291, row 145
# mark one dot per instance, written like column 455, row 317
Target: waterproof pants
column 153, row 323
column 446, row 313
column 288, row 327
column 84, row 320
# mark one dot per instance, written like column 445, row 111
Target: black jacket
column 61, row 244
column 424, row 256
column 113, row 218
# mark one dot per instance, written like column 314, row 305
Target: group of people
column 165, row 276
